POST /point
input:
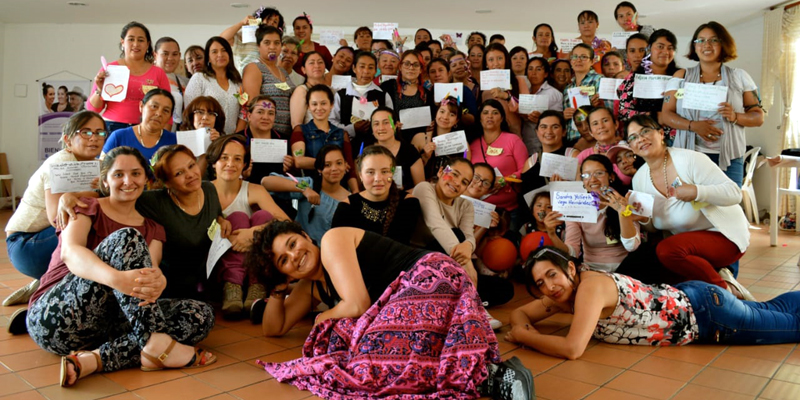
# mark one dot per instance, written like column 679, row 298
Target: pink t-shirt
column 510, row 161
column 127, row 111
column 625, row 179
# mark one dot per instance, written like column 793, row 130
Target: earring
column 389, row 179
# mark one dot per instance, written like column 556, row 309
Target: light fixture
column 240, row 5
column 483, row 11
column 76, row 4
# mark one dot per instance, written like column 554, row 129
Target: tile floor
column 604, row 371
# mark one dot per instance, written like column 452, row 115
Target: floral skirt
column 426, row 337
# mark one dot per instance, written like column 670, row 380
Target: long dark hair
column 394, row 192
column 230, row 70
column 111, row 157
column 319, row 162
column 216, row 148
column 149, row 55
column 672, row 67
column 496, row 105
column 499, row 47
column 553, row 47
column 612, row 229
column 553, row 255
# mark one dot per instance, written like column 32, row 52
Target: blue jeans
column 735, row 171
column 30, row 252
column 723, row 318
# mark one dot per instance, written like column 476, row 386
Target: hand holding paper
column 115, row 85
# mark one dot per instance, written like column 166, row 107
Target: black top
column 260, row 170
column 381, row 260
column 369, row 216
column 531, row 179
column 401, row 103
column 406, row 156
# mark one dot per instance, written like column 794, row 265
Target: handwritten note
column 362, row 111
column 383, row 30
column 496, row 78
column 577, row 207
column 483, row 212
column 385, row 78
column 268, row 150
column 249, row 33
column 529, row 103
column 451, row 143
column 534, row 55
column 578, row 99
column 197, row 140
column 608, row 88
column 73, row 176
column 218, row 248
column 697, row 96
column 416, row 117
column 331, row 37
column 650, row 86
column 453, row 90
column 554, row 164
column 339, row 82
column 642, row 203
column 561, row 186
column 619, row 40
column 115, row 86
column 568, row 44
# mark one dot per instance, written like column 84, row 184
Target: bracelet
column 690, row 126
column 628, row 211
column 735, row 120
column 302, row 185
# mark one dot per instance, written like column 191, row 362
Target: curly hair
column 259, row 260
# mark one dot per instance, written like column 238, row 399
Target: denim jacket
column 315, row 138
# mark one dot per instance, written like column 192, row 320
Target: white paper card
column 532, row 55
column 608, row 88
column 565, row 167
column 73, row 176
column 363, row 111
column 330, row 37
column 268, row 150
column 530, row 195
column 578, row 98
column 218, row 248
column 115, row 86
column 197, row 140
column 398, row 176
column 496, row 78
column 416, row 117
column 249, row 33
column 650, row 86
column 697, row 96
column 577, row 207
column 383, row 30
column 567, row 186
column 568, row 44
column 642, row 203
column 619, row 40
column 385, row 78
column 529, row 103
column 451, row 143
column 483, row 212
column 340, row 81
column 440, row 90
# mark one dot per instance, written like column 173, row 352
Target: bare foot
column 88, row 366
column 180, row 355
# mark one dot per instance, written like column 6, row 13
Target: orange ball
column 531, row 243
column 499, row 254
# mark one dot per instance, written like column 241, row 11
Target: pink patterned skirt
column 427, row 337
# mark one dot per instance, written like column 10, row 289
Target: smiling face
column 263, row 116
column 365, row 70
column 475, row 39
column 454, row 180
column 342, row 61
column 708, row 51
column 595, row 176
column 270, row 47
column 183, row 173
column 624, row 161
column 603, row 127
column 230, row 164
column 168, row 55
column 376, row 174
column 334, row 167
column 302, row 30
column 536, row 72
column 553, row 282
column 411, row 67
column 88, row 148
column 156, row 113
column 581, row 60
column 662, row 52
column 217, row 55
column 458, row 67
column 646, row 142
column 126, row 179
column 50, row 96
column 562, row 74
column 135, row 44
column 320, row 105
column 204, row 117
column 195, row 61
column 382, row 128
column 446, row 118
column 612, row 66
column 475, row 58
column 541, row 207
column 314, row 67
column 75, row 101
column 550, row 132
column 495, row 59
column 62, row 96
column 637, row 49
column 624, row 18
column 481, row 182
column 295, row 255
column 388, row 64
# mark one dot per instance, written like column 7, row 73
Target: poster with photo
column 58, row 101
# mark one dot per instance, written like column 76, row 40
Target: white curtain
column 772, row 50
column 789, row 72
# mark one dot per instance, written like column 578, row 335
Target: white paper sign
column 642, row 203
column 249, row 33
column 577, row 207
column 73, row 176
column 454, row 90
column 533, row 55
column 529, row 103
column 576, row 98
column 565, row 167
column 197, row 140
column 496, row 78
column 398, row 176
column 383, row 30
column 697, row 96
column 268, row 150
column 608, row 88
column 385, row 78
column 340, row 81
column 650, row 86
column 483, row 211
column 561, row 186
column 362, row 111
column 619, row 40
column 416, row 117
column 115, row 86
column 451, row 143
column 568, row 44
column 218, row 248
column 330, row 37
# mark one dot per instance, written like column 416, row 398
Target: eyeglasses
column 88, row 133
column 597, row 174
column 714, row 41
column 634, row 137
column 483, row 182
column 411, row 65
column 545, row 250
column 204, row 113
column 582, row 57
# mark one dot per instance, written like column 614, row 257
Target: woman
column 720, row 133
column 475, row 61
column 62, row 105
column 607, row 242
column 266, row 77
column 460, row 70
column 447, row 117
column 496, row 57
column 562, row 74
column 623, row 157
column 661, row 61
column 260, row 126
column 303, row 29
column 544, row 42
column 409, row 167
column 519, row 61
column 227, row 158
column 49, row 95
column 168, row 56
column 194, row 60
column 550, row 131
column 246, row 53
column 103, row 288
column 332, row 168
column 613, row 66
column 204, row 112
column 439, row 72
column 588, row 22
column 408, row 90
column 314, row 70
column 137, row 55
column 342, row 64
column 635, row 50
column 696, row 202
column 581, row 58
column 502, row 150
column 538, row 72
column 379, row 208
column 221, row 81
column 618, row 309
column 151, row 134
column 388, row 64
column 422, row 35
column 628, row 19
column 540, row 206
column 603, row 126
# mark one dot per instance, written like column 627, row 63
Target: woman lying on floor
column 386, row 332
column 618, row 309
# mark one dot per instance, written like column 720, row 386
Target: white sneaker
column 21, row 295
column 493, row 322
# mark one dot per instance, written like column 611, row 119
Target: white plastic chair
column 13, row 195
column 748, row 193
column 793, row 163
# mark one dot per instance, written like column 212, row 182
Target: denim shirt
column 315, row 138
column 319, row 222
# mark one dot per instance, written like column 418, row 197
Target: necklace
column 666, row 182
column 141, row 137
column 178, row 201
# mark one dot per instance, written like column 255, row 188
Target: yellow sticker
column 212, row 230
column 493, row 151
column 354, row 119
column 610, row 241
column 283, row 86
column 679, row 94
column 588, row 90
column 243, row 98
column 254, row 22
column 147, row 88
column 698, row 205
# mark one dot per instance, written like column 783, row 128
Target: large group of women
column 363, row 227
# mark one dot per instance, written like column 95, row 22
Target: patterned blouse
column 630, row 107
column 281, row 92
column 650, row 315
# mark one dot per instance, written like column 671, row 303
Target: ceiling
column 508, row 15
